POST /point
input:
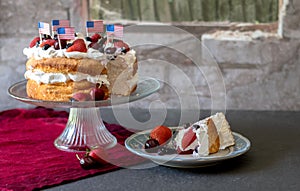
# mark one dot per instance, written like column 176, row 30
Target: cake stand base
column 84, row 131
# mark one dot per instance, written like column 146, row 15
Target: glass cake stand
column 85, row 128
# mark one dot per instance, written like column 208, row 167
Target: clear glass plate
column 135, row 144
column 145, row 87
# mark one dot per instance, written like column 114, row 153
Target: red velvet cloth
column 29, row 159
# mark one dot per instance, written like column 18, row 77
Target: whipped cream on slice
column 223, row 128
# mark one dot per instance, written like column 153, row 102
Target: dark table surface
column 272, row 163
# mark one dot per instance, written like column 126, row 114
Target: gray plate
column 135, row 144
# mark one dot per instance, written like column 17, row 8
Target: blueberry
column 151, row 145
column 196, row 149
column 46, row 46
column 195, row 126
column 123, row 50
column 47, row 37
column 88, row 162
column 88, row 39
column 69, row 45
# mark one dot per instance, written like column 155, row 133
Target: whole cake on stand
column 82, row 73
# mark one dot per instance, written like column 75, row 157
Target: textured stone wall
column 251, row 71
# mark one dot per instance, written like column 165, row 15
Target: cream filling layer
column 50, row 78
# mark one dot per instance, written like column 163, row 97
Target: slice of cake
column 81, row 69
column 205, row 137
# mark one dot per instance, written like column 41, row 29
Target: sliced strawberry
column 95, row 37
column 51, row 42
column 99, row 155
column 188, row 138
column 78, row 45
column 34, row 41
column 121, row 44
column 161, row 133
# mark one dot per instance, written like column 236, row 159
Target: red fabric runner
column 29, row 160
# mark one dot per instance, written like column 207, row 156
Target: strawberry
column 95, row 37
column 34, row 41
column 50, row 42
column 121, row 44
column 98, row 154
column 188, row 138
column 78, row 45
column 161, row 133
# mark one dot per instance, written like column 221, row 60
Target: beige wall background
column 260, row 71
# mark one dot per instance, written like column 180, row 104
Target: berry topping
column 195, row 126
column 188, row 138
column 63, row 44
column 46, row 46
column 151, row 145
column 79, row 96
column 88, row 163
column 97, row 94
column 95, row 37
column 123, row 45
column 92, row 159
column 88, row 39
column 34, row 42
column 50, row 42
column 95, row 45
column 161, row 133
column 78, row 45
column 110, row 50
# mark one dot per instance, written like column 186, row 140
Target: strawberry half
column 188, row 138
column 51, row 42
column 78, row 45
column 161, row 133
column 121, row 44
column 34, row 41
column 95, row 37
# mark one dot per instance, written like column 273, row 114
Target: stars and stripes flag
column 116, row 30
column 94, row 26
column 44, row 28
column 60, row 23
column 66, row 33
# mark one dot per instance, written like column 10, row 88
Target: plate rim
column 197, row 160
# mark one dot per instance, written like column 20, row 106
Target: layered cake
column 205, row 137
column 85, row 68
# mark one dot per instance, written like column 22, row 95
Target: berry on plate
column 161, row 133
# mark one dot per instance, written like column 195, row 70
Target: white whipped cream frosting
column 38, row 53
column 49, row 78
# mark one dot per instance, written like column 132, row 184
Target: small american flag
column 118, row 31
column 66, row 33
column 44, row 28
column 60, row 23
column 94, row 26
